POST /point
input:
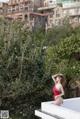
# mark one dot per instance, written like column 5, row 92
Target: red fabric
column 55, row 91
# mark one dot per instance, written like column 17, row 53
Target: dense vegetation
column 27, row 61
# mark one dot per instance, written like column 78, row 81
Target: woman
column 57, row 89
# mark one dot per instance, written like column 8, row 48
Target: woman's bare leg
column 58, row 101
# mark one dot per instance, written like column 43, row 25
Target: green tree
column 64, row 57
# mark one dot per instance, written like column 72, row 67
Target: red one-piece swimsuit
column 55, row 91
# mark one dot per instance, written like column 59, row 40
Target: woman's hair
column 63, row 81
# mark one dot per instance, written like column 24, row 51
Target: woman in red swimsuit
column 57, row 89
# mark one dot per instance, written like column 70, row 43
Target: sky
column 3, row 0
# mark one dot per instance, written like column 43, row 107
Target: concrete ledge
column 45, row 115
column 69, row 110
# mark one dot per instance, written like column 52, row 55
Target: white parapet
column 43, row 115
column 70, row 109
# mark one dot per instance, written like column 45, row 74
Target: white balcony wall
column 70, row 109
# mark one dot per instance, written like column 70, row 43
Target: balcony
column 74, row 13
column 70, row 109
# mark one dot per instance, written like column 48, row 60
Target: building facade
column 72, row 11
column 18, row 10
column 58, row 13
column 41, row 13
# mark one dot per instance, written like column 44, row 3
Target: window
column 9, row 10
column 26, row 8
column 77, row 10
column 51, row 15
column 75, row 19
column 66, row 12
column 57, row 22
column 13, row 9
column 4, row 11
column 26, row 17
column 1, row 11
column 79, row 19
column 31, row 17
column 17, row 8
column 21, row 7
column 57, row 13
column 51, row 1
